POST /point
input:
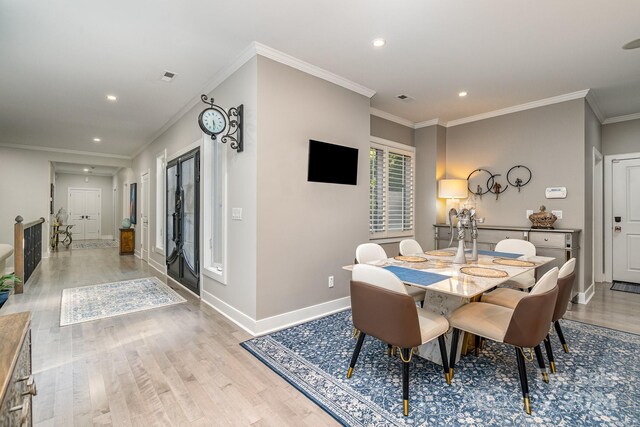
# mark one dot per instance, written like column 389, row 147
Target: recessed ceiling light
column 96, row 140
column 379, row 42
column 112, row 98
column 86, row 169
column 462, row 94
column 633, row 44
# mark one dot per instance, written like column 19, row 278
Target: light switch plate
column 236, row 214
column 558, row 214
column 529, row 212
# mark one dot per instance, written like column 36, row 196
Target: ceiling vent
column 405, row 98
column 168, row 76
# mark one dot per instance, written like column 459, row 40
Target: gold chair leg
column 447, row 377
column 355, row 332
column 406, row 407
column 545, row 377
column 527, row 405
column 565, row 348
column 349, row 372
column 553, row 367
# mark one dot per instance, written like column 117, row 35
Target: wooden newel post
column 18, row 253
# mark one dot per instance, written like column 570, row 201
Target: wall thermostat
column 556, row 193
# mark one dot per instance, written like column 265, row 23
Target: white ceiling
column 58, row 62
column 78, row 169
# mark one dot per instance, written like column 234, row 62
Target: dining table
column 449, row 285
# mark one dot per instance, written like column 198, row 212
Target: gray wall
column 306, row 231
column 239, row 88
column 386, row 129
column 621, row 138
column 592, row 139
column 550, row 141
column 105, row 183
column 430, row 167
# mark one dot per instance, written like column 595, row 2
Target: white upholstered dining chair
column 527, row 279
column 410, row 247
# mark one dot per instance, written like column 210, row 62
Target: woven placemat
column 490, row 273
column 514, row 262
column 410, row 258
column 440, row 253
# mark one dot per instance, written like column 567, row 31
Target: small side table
column 127, row 241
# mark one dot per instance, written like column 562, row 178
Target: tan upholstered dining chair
column 525, row 326
column 527, row 279
column 510, row 298
column 382, row 308
column 371, row 253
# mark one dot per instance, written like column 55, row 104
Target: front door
column 85, row 212
column 626, row 224
column 183, row 207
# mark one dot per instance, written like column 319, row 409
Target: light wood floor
column 178, row 365
column 173, row 366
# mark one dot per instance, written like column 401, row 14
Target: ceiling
column 79, row 169
column 58, row 63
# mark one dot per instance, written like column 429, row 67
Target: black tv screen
column 332, row 163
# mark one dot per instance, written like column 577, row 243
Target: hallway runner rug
column 95, row 302
column 94, row 244
column 595, row 384
column 633, row 288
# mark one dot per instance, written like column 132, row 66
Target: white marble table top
column 460, row 284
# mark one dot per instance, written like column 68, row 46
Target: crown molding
column 65, row 151
column 391, row 117
column 593, row 103
column 432, row 122
column 311, row 69
column 618, row 119
column 527, row 106
column 248, row 53
column 89, row 175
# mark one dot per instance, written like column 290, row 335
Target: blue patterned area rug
column 595, row 384
column 113, row 299
column 93, row 244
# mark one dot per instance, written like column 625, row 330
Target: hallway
column 180, row 365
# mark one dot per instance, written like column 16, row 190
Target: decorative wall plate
column 410, row 258
column 440, row 253
column 490, row 273
column 514, row 262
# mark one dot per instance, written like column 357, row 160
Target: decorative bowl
column 542, row 219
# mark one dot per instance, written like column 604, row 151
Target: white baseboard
column 182, row 286
column 157, row 266
column 136, row 253
column 280, row 321
column 106, row 237
column 585, row 297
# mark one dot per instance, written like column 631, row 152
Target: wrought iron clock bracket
column 234, row 118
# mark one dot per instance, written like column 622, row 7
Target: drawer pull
column 546, row 239
column 24, row 408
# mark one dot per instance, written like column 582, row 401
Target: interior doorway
column 144, row 216
column 85, row 212
column 626, row 220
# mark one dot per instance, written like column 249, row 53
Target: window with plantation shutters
column 391, row 192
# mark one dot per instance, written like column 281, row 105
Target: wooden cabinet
column 127, row 241
column 16, row 378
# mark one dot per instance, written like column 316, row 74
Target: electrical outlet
column 529, row 212
column 331, row 281
column 558, row 214
column 236, row 214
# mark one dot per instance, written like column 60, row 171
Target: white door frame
column 145, row 195
column 598, row 216
column 608, row 210
column 69, row 189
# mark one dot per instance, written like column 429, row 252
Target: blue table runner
column 416, row 276
column 496, row 254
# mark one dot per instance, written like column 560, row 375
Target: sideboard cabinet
column 16, row 377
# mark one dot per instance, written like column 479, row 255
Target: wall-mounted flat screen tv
column 335, row 164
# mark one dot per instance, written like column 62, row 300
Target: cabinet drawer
column 494, row 236
column 550, row 240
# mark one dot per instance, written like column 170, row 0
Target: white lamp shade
column 452, row 189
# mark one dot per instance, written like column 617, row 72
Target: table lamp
column 452, row 190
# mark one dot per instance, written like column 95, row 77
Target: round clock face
column 213, row 121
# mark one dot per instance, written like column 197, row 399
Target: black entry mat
column 633, row 288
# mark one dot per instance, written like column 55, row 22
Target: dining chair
column 368, row 253
column 509, row 298
column 525, row 280
column 526, row 326
column 382, row 308
column 410, row 247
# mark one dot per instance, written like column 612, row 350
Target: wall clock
column 222, row 125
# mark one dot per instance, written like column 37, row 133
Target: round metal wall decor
column 478, row 191
column 519, row 182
